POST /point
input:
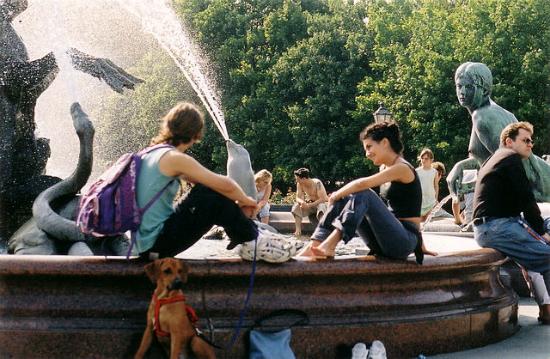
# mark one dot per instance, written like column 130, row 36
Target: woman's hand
column 334, row 196
column 248, row 206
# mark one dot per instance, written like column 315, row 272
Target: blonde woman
column 263, row 187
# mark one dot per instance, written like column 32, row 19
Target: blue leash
column 248, row 296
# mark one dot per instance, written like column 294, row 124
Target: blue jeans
column 365, row 214
column 508, row 236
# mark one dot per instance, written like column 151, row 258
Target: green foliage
column 301, row 78
column 418, row 46
column 128, row 123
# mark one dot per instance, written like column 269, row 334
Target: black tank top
column 403, row 199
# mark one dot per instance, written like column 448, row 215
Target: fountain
column 24, row 156
column 60, row 306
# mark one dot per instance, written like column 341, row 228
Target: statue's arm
column 103, row 69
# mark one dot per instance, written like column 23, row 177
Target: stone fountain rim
column 119, row 266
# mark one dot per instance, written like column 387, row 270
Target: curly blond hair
column 263, row 176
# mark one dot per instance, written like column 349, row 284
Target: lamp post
column 382, row 114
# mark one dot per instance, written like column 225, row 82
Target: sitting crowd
column 388, row 221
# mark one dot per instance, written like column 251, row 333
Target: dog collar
column 159, row 302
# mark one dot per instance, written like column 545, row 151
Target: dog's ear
column 151, row 270
column 185, row 271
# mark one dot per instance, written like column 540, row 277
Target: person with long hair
column 263, row 187
column 169, row 227
column 429, row 182
column 390, row 231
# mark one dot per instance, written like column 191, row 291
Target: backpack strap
column 142, row 211
column 154, row 147
column 155, row 197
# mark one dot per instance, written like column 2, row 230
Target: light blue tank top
column 150, row 182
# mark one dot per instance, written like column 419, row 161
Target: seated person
column 392, row 232
column 311, row 199
column 168, row 228
column 429, row 182
column 506, row 215
column 263, row 187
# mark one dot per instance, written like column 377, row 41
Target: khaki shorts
column 315, row 212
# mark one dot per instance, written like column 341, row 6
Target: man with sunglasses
column 506, row 215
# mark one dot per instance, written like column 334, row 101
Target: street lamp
column 382, row 114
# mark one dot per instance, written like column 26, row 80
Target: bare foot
column 322, row 252
column 430, row 253
column 307, row 251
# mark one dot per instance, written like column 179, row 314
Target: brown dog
column 168, row 317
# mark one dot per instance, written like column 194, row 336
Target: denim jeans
column 508, row 236
column 365, row 214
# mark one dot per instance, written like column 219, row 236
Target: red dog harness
column 160, row 302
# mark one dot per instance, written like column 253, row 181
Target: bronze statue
column 474, row 83
column 23, row 157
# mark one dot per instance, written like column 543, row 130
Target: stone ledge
column 451, row 302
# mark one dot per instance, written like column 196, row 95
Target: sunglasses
column 528, row 141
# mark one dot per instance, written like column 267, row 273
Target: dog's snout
column 176, row 284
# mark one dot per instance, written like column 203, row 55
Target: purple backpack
column 109, row 207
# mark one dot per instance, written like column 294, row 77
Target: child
column 263, row 185
column 429, row 179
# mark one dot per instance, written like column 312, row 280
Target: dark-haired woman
column 391, row 231
column 168, row 228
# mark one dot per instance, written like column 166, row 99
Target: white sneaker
column 359, row 351
column 377, row 350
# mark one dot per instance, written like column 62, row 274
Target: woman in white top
column 428, row 181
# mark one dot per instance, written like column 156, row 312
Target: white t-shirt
column 427, row 178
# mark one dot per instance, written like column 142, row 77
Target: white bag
column 272, row 247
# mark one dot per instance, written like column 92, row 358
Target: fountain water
column 102, row 302
column 24, row 156
column 57, row 25
column 158, row 18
